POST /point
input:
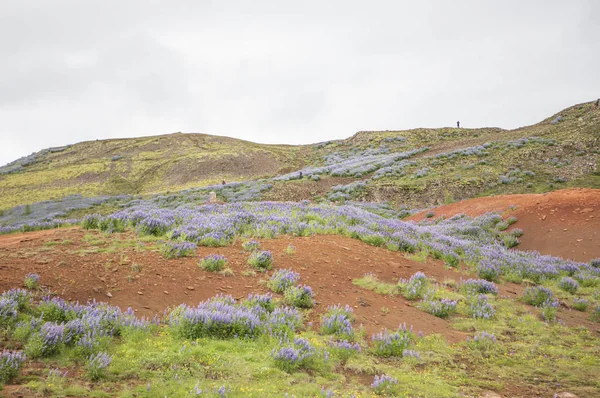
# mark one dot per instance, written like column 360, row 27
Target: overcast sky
column 286, row 71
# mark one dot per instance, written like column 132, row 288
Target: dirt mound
column 563, row 223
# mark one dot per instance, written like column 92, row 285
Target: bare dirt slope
column 83, row 265
column 563, row 223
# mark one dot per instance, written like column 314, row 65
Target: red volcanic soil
column 563, row 223
column 326, row 263
column 76, row 267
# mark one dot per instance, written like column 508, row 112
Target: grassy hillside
column 140, row 165
column 415, row 168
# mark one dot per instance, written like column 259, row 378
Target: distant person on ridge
column 223, row 182
column 300, row 175
column 457, row 125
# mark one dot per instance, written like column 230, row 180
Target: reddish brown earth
column 142, row 279
column 563, row 223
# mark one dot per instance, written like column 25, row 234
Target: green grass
column 530, row 357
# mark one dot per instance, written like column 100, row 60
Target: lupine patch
column 264, row 301
column 177, row 249
column 479, row 307
column 392, row 344
column 20, row 296
column 97, row 365
column 344, row 349
column 549, row 309
column 517, row 232
column 299, row 296
column 441, row 308
column 415, row 287
column 488, row 271
column 8, row 311
column 411, row 354
column 261, row 260
column 382, row 385
column 282, row 279
column 221, row 317
column 478, row 286
column 537, row 295
column 299, row 355
column 251, row 245
column 568, row 284
column 483, row 341
column 580, row 304
column 337, row 323
column 10, row 364
column 213, row 262
column 31, row 281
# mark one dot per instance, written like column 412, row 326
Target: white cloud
column 286, row 72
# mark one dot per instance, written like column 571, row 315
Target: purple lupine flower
column 98, row 364
column 479, row 286
column 299, row 296
column 251, row 245
column 213, row 262
column 415, row 287
column 10, row 363
column 282, row 279
column 31, row 281
column 8, row 310
column 479, row 307
column 177, row 249
column 568, row 284
column 383, row 382
column 537, row 295
column 261, row 260
column 388, row 344
column 441, row 308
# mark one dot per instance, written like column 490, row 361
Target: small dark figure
column 598, row 102
column 300, row 175
column 457, row 125
column 223, row 182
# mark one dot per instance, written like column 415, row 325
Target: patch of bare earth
column 149, row 283
column 563, row 223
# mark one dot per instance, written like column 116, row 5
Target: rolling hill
column 416, row 168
